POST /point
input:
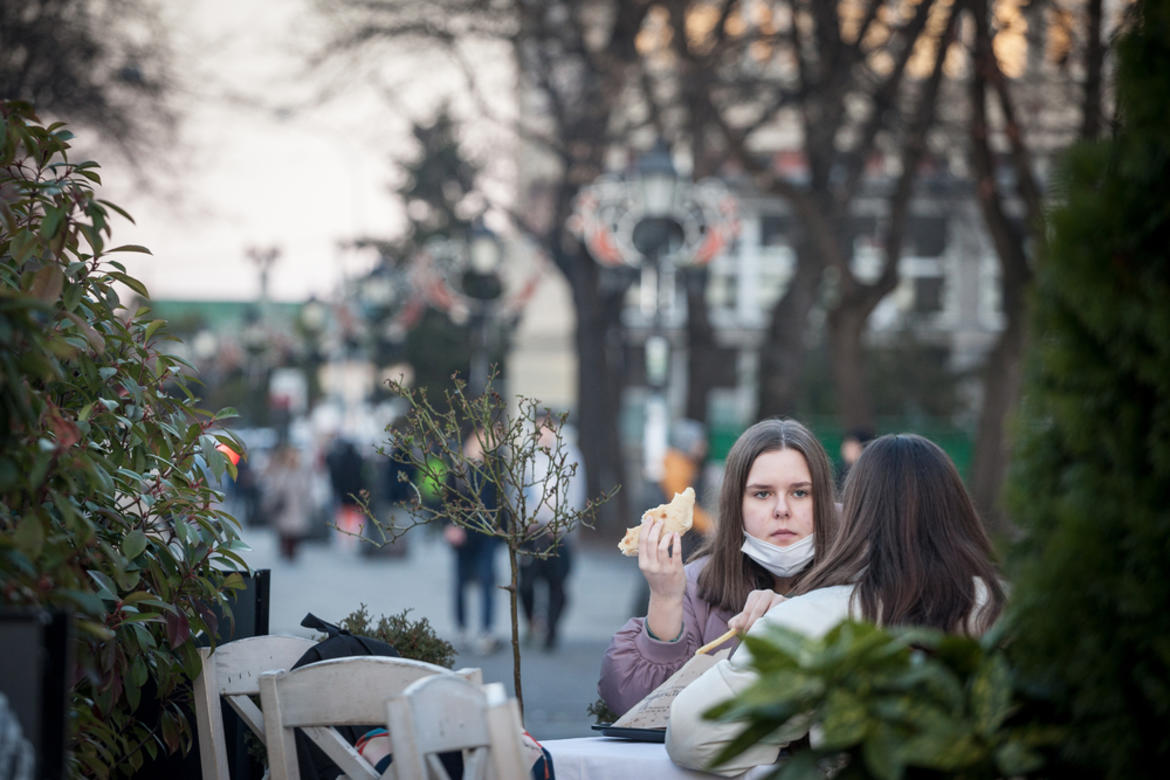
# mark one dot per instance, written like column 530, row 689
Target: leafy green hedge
column 888, row 704
column 105, row 504
column 1091, row 482
column 414, row 639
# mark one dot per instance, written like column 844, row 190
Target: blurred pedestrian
column 347, row 480
column 682, row 467
column 475, row 550
column 546, row 577
column 852, row 444
column 287, row 498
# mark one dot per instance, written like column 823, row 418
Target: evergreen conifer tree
column 1090, row 486
column 442, row 198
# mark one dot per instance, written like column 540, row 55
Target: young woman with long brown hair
column 776, row 516
column 911, row 551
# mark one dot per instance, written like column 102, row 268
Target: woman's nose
column 781, row 507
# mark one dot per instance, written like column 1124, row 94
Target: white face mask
column 781, row 561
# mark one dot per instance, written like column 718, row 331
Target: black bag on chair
column 338, row 643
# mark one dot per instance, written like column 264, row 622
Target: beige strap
column 716, row 642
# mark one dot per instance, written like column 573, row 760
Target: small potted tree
column 430, row 445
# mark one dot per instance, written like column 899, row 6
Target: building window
column 928, row 294
column 928, row 235
column 775, row 230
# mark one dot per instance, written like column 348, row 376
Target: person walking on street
column 475, row 551
column 287, row 499
column 345, row 475
column 549, row 573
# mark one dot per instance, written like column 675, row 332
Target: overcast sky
column 248, row 175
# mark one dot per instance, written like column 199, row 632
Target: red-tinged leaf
column 210, row 620
column 178, row 629
column 114, row 684
column 170, row 731
column 64, row 431
column 47, row 283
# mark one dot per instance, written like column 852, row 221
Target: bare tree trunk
column 600, row 384
column 1001, row 388
column 513, row 595
column 702, row 352
column 783, row 354
column 849, row 318
column 847, row 355
column 1001, row 382
column 1094, row 61
column 703, row 372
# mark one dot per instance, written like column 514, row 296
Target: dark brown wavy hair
column 911, row 541
column 730, row 575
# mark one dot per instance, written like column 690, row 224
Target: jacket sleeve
column 693, row 742
column 635, row 664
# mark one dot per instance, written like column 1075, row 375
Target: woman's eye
column 801, row 493
column 761, row 494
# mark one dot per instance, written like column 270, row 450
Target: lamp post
column 391, row 306
column 466, row 278
column 653, row 220
column 482, row 285
column 263, row 258
column 254, row 339
column 312, row 320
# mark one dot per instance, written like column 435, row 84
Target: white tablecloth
column 606, row 758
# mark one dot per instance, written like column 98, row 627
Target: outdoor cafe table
column 608, row 758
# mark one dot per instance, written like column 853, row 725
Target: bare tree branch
column 884, row 97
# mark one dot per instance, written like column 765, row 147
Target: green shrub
column 105, row 504
column 1090, row 487
column 600, row 712
column 411, row 638
column 889, row 703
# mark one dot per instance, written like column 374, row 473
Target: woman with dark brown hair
column 776, row 516
column 911, row 551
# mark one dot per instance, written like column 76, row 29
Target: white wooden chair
column 233, row 672
column 338, row 692
column 444, row 714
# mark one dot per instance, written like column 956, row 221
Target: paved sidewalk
column 331, row 579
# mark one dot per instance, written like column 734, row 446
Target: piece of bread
column 678, row 514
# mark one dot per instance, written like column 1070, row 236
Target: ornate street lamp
column 483, row 287
column 468, row 280
column 656, row 175
column 312, row 320
column 653, row 220
column 390, row 306
column 254, row 338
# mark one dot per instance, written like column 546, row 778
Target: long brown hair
column 911, row 541
column 730, row 575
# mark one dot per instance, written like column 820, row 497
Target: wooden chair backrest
column 232, row 671
column 444, row 714
column 339, row 692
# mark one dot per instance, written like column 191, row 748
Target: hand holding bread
column 677, row 517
